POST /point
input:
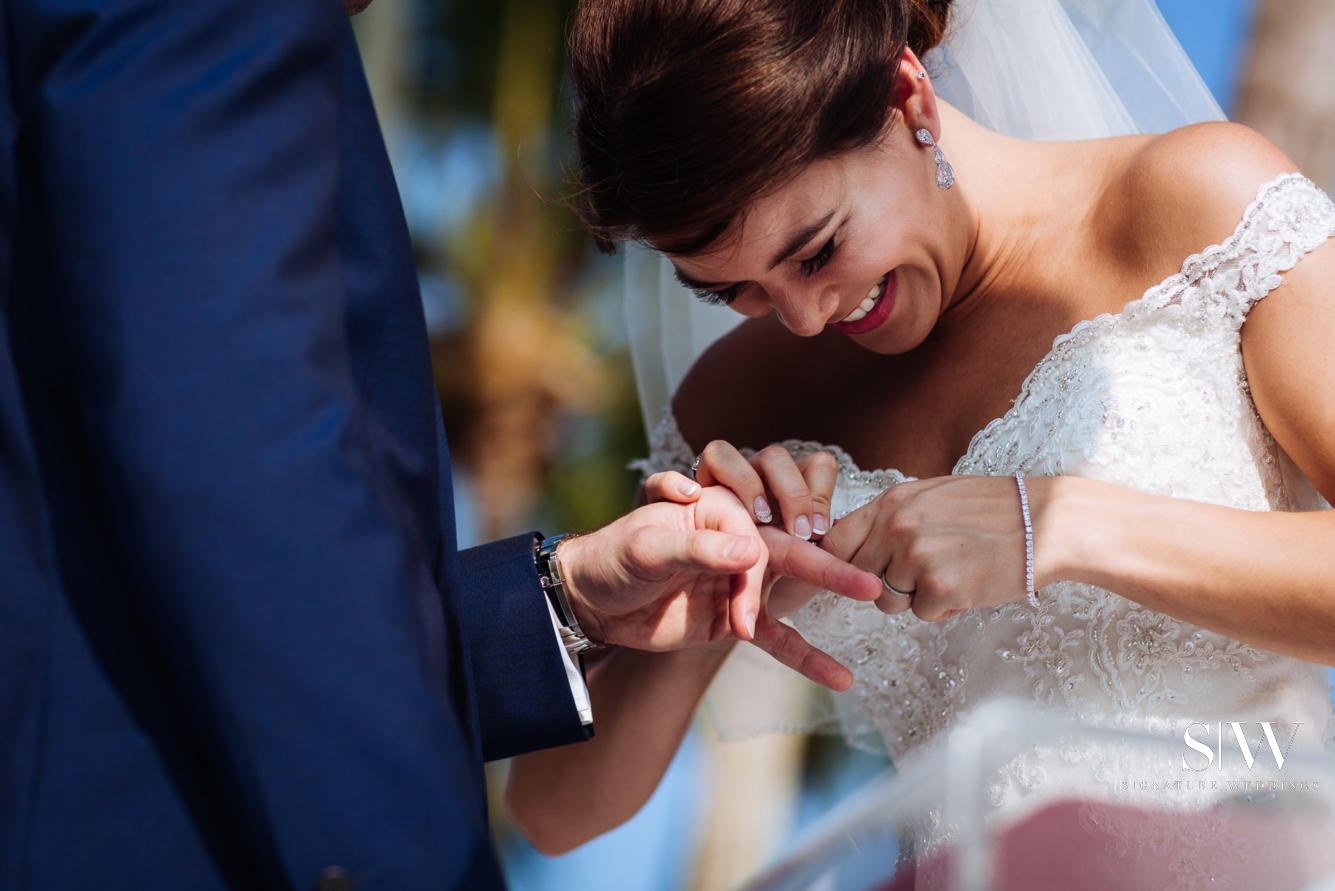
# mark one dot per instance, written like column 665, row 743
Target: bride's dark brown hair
column 691, row 109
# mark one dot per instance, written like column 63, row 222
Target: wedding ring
column 695, row 465
column 895, row 591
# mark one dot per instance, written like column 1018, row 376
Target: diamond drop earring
column 945, row 174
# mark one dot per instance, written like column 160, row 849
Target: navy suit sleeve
column 530, row 705
column 184, row 158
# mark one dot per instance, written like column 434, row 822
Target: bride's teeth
column 867, row 305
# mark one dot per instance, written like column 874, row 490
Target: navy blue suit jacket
column 237, row 642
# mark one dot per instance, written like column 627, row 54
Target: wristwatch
column 549, row 576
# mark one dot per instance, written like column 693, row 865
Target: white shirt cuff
column 578, row 689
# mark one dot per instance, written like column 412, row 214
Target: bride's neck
column 1022, row 200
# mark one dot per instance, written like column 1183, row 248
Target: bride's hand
column 801, row 488
column 952, row 543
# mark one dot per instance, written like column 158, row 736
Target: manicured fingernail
column 821, row 524
column 751, row 622
column 737, row 549
column 688, row 488
column 761, row 507
column 802, row 528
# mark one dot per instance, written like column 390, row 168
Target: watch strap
column 553, row 585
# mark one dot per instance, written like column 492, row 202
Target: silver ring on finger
column 895, row 591
column 695, row 465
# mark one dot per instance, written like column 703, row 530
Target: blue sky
column 1214, row 34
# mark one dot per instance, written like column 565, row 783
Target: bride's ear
column 914, row 97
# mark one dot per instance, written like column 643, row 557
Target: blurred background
column 539, row 399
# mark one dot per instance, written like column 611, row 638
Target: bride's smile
column 873, row 310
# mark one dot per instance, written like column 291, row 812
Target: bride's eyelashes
column 814, row 264
column 718, row 298
column 809, row 267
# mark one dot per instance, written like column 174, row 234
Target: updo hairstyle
column 689, row 110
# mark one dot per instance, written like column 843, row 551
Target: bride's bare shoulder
column 757, row 385
column 1187, row 189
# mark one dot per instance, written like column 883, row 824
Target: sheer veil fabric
column 1033, row 69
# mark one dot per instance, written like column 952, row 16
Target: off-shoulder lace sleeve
column 1290, row 217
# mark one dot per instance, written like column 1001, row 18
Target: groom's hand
column 670, row 576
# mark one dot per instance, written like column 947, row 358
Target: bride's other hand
column 670, row 576
column 801, row 488
column 952, row 543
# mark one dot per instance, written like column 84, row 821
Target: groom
column 238, row 647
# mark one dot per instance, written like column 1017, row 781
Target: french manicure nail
column 688, row 488
column 761, row 507
column 751, row 622
column 821, row 524
column 802, row 528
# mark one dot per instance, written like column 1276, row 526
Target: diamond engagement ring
column 695, row 465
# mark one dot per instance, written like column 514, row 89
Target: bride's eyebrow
column 801, row 237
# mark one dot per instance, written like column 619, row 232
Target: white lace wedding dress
column 1153, row 397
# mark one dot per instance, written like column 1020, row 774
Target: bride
column 1095, row 376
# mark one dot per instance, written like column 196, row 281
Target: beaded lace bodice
column 1153, row 397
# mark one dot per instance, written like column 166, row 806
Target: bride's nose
column 805, row 312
